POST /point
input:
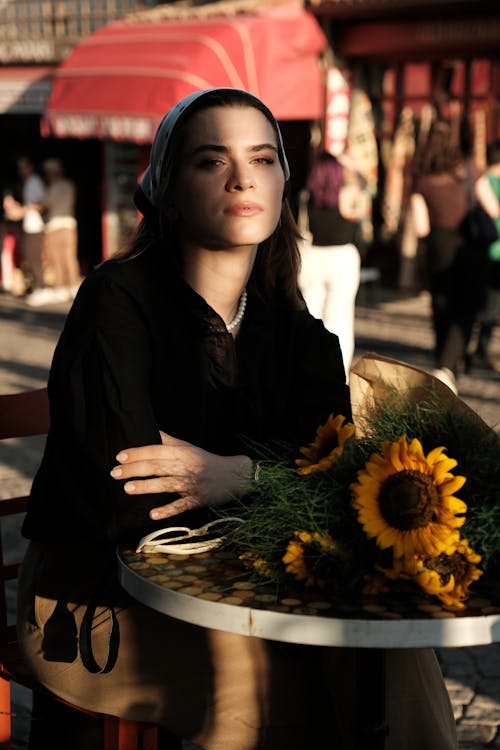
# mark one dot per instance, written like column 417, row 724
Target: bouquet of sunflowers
column 405, row 499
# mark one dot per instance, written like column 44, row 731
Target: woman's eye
column 209, row 163
column 213, row 162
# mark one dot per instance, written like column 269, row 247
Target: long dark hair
column 443, row 151
column 278, row 259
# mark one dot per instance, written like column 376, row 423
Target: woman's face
column 229, row 188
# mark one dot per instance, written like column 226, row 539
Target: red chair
column 22, row 415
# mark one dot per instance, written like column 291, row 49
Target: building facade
column 383, row 64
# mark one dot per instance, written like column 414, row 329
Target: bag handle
column 85, row 633
column 85, row 640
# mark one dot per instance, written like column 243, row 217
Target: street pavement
column 388, row 322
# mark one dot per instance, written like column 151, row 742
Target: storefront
column 442, row 58
column 24, row 92
column 119, row 81
column 382, row 74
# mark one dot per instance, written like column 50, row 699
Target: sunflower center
column 446, row 565
column 328, row 445
column 408, row 500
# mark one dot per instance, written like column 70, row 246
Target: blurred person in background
column 61, row 231
column 30, row 213
column 488, row 187
column 330, row 272
column 456, row 270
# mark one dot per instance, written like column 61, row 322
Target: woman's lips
column 243, row 209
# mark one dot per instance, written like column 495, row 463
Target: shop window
column 121, row 175
column 389, row 115
column 457, row 87
column 389, row 82
column 418, row 106
column 495, row 78
column 480, row 77
column 416, row 80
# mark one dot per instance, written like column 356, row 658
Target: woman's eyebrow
column 224, row 149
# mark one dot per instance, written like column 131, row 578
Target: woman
column 455, row 269
column 176, row 357
column 30, row 213
column 488, row 187
column 329, row 278
column 61, row 231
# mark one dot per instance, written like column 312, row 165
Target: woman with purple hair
column 329, row 278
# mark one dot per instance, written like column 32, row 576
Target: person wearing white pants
column 331, row 263
column 329, row 281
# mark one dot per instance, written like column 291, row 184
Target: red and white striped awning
column 119, row 82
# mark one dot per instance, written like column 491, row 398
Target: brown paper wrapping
column 373, row 377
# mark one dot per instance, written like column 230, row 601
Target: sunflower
column 449, row 576
column 325, row 542
column 294, row 560
column 405, row 500
column 317, row 559
column 327, row 447
column 261, row 566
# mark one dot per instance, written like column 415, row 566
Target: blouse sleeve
column 99, row 390
column 319, row 382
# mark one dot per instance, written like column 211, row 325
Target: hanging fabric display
column 338, row 100
column 362, row 151
column 401, row 153
column 361, row 138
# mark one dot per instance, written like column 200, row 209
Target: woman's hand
column 199, row 477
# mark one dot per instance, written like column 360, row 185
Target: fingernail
column 116, row 472
column 122, row 457
column 154, row 515
column 129, row 487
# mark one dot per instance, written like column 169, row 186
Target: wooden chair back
column 22, row 414
column 26, row 414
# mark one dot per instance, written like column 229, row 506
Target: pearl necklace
column 240, row 312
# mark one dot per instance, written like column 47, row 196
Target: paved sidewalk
column 387, row 323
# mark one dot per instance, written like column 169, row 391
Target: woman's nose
column 240, row 178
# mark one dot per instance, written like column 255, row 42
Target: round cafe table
column 215, row 590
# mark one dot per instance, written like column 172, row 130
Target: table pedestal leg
column 371, row 726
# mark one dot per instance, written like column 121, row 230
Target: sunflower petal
column 452, row 485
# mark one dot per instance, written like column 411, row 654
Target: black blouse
column 140, row 352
